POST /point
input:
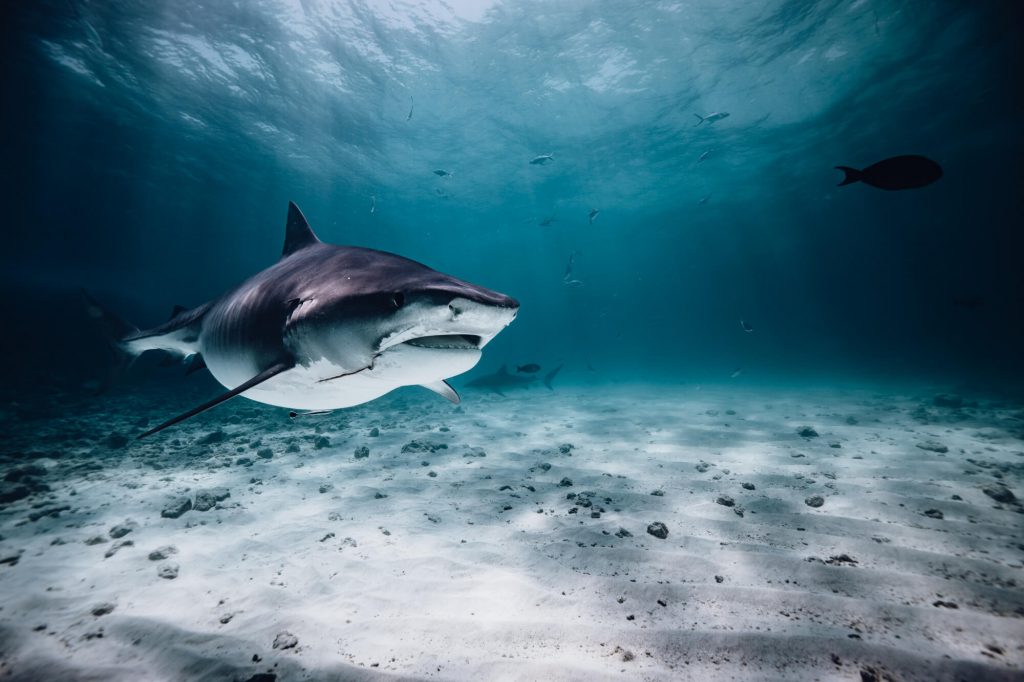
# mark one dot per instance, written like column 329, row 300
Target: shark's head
column 389, row 318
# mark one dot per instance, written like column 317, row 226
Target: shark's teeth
column 447, row 342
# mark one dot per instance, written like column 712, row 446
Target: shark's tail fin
column 550, row 376
column 114, row 329
column 701, row 119
column 850, row 175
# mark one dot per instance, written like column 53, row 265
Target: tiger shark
column 326, row 327
column 502, row 381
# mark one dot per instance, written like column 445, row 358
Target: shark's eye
column 398, row 299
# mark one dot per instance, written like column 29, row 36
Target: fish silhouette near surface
column 326, row 327
column 899, row 172
column 711, row 118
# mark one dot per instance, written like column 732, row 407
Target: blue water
column 150, row 150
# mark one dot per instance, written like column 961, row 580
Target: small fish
column 704, row 199
column 711, row 118
column 593, row 214
column 373, row 203
column 530, row 368
column 704, row 155
column 590, row 367
column 547, row 221
column 899, row 172
column 442, row 173
column 411, row 104
column 736, row 372
column 542, row 159
column 746, row 327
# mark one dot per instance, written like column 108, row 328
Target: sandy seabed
column 516, row 538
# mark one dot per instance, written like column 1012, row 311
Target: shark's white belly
column 310, row 387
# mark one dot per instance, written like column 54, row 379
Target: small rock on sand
column 116, row 547
column 167, row 571
column 285, row 640
column 726, row 501
column 176, row 508
column 208, row 499
column 162, row 553
column 374, row 432
column 748, row 486
column 103, row 609
column 362, row 452
column 658, row 530
column 933, row 446
column 807, row 432
column 322, row 442
column 814, row 501
column 933, row 513
column 999, row 493
column 265, row 453
column 122, row 529
column 212, row 438
column 565, row 482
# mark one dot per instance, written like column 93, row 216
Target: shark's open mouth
column 447, row 342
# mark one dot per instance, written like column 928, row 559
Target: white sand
column 460, row 588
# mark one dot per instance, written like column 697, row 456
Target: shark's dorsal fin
column 444, row 389
column 297, row 233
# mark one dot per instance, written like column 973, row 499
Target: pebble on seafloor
column 658, row 530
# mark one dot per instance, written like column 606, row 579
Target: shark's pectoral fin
column 197, row 364
column 271, row 371
column 445, row 390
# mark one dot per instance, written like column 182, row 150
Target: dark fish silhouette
column 899, row 172
column 530, row 368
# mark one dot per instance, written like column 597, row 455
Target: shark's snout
column 484, row 319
